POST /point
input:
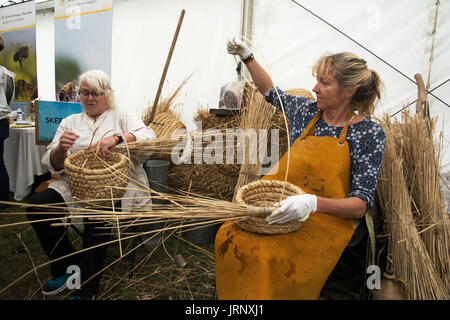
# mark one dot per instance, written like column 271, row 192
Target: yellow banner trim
column 19, row 28
column 83, row 13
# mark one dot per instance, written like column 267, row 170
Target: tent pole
column 247, row 26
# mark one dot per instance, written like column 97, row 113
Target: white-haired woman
column 74, row 133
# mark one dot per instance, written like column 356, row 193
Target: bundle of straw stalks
column 261, row 115
column 422, row 169
column 257, row 115
column 412, row 259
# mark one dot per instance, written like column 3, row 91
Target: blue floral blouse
column 366, row 140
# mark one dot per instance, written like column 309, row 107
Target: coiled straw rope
column 265, row 193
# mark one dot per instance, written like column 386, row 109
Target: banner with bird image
column 18, row 49
column 83, row 41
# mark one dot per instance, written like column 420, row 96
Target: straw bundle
column 265, row 193
column 410, row 259
column 257, row 115
column 279, row 123
column 92, row 178
column 414, row 137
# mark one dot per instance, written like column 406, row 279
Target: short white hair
column 99, row 81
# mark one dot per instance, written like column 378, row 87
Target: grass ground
column 152, row 274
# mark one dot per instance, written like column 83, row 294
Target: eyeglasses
column 94, row 94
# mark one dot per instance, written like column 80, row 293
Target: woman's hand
column 297, row 207
column 238, row 47
column 67, row 140
column 105, row 145
column 59, row 154
column 260, row 77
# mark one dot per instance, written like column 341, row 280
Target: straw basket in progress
column 265, row 193
column 166, row 123
column 91, row 177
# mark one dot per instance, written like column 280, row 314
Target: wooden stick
column 422, row 104
column 166, row 67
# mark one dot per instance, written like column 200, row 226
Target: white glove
column 237, row 47
column 297, row 207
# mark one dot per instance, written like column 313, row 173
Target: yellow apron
column 294, row 265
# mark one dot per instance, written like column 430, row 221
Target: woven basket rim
column 69, row 165
column 258, row 224
column 267, row 184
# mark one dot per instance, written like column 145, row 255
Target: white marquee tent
column 397, row 38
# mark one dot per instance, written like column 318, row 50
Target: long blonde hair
column 351, row 72
column 99, row 82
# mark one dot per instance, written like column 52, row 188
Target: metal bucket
column 157, row 172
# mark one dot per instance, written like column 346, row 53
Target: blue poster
column 49, row 116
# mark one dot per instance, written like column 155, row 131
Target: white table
column 23, row 160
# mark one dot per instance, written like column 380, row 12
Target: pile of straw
column 403, row 176
column 422, row 172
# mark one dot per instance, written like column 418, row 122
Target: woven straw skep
column 166, row 121
column 265, row 193
column 164, row 105
column 211, row 180
column 92, row 178
column 165, row 124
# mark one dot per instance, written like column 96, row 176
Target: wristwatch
column 249, row 58
column 119, row 137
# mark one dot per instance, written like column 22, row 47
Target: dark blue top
column 366, row 140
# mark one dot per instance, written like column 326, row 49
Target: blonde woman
column 100, row 115
column 335, row 157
